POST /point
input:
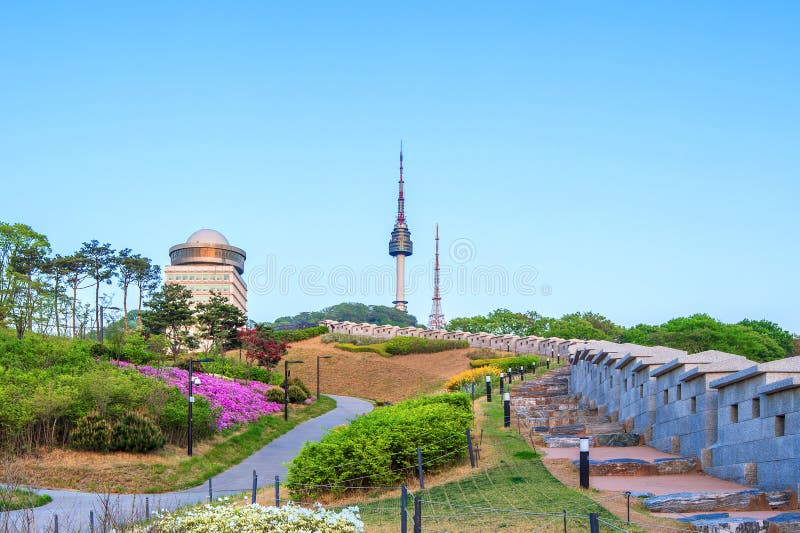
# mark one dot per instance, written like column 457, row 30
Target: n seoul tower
column 400, row 246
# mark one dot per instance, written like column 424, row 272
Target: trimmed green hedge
column 358, row 340
column 405, row 346
column 379, row 349
column 408, row 345
column 296, row 335
column 380, row 448
column 505, row 363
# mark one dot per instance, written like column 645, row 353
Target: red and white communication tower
column 436, row 319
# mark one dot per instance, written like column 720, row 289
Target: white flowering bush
column 255, row 518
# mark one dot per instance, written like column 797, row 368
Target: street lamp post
column 191, row 400
column 102, row 321
column 318, row 358
column 286, row 363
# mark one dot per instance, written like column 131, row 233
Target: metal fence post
column 471, row 451
column 55, row 523
column 565, row 519
column 91, row 521
column 417, row 514
column 210, row 491
column 277, row 491
column 419, row 467
column 403, row 509
column 147, row 508
column 255, row 486
column 594, row 524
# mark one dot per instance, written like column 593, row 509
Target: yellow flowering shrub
column 477, row 375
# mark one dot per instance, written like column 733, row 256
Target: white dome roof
column 211, row 236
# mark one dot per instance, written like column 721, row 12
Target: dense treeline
column 348, row 311
column 39, row 290
column 759, row 340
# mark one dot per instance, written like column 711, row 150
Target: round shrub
column 296, row 394
column 275, row 395
column 99, row 351
column 174, row 418
column 137, row 433
column 299, row 383
column 92, row 433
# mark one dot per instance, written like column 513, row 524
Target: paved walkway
column 73, row 508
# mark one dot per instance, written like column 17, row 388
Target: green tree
column 76, row 266
column 169, row 312
column 101, row 266
column 58, row 268
column 147, row 277
column 23, row 254
column 701, row 332
column 501, row 322
column 772, row 330
column 219, row 321
column 347, row 311
column 583, row 326
column 129, row 267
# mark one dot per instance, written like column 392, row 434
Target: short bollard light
column 502, row 378
column 522, row 373
column 584, row 462
column 506, row 409
column 488, row 388
column 548, row 362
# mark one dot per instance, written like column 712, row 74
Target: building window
column 641, row 391
column 780, row 425
column 694, row 404
column 679, row 392
column 191, row 276
column 227, row 276
column 611, row 381
column 626, row 383
column 734, row 413
column 205, row 276
column 666, row 396
column 756, row 407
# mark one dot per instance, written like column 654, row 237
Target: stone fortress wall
column 739, row 418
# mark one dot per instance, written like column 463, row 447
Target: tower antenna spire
column 436, row 318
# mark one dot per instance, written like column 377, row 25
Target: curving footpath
column 73, row 508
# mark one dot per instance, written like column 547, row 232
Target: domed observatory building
column 207, row 262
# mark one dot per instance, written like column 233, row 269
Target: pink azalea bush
column 234, row 402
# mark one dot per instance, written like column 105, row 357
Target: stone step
column 619, row 439
column 746, row 500
column 561, row 442
column 638, row 467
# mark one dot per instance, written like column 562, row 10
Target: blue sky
column 638, row 159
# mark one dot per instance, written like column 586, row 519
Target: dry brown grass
column 104, row 472
column 368, row 375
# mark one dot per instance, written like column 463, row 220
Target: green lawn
column 13, row 499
